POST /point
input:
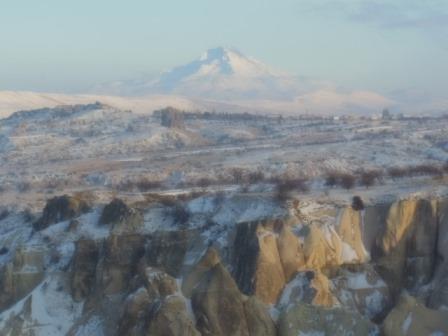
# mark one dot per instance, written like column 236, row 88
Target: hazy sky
column 383, row 45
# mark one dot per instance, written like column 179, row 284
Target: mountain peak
column 219, row 73
column 219, row 53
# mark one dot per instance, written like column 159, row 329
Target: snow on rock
column 48, row 310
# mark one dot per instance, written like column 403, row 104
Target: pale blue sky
column 59, row 45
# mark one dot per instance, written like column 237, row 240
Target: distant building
column 172, row 118
column 386, row 115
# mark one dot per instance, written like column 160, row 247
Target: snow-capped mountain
column 220, row 73
column 221, row 79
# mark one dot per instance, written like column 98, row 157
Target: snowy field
column 53, row 151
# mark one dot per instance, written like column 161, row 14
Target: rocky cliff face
column 312, row 268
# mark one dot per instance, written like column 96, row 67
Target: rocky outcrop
column 360, row 288
column 268, row 254
column 113, row 264
column 259, row 322
column 170, row 318
column 166, row 250
column 120, row 257
column 439, row 296
column 406, row 247
column 305, row 319
column 257, row 260
column 156, row 309
column 311, row 287
column 84, row 265
column 412, row 318
column 350, row 230
column 135, row 311
column 59, row 209
column 21, row 275
column 121, row 216
column 209, row 260
column 219, row 306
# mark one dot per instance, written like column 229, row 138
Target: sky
column 389, row 46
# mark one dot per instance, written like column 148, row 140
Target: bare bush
column 204, row 182
column 370, row 177
column 285, row 186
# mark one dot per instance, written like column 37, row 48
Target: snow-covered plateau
column 116, row 222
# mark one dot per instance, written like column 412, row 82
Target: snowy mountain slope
column 225, row 75
column 13, row 101
column 321, row 102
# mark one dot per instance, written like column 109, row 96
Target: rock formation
column 59, row 209
column 412, row 318
column 120, row 216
